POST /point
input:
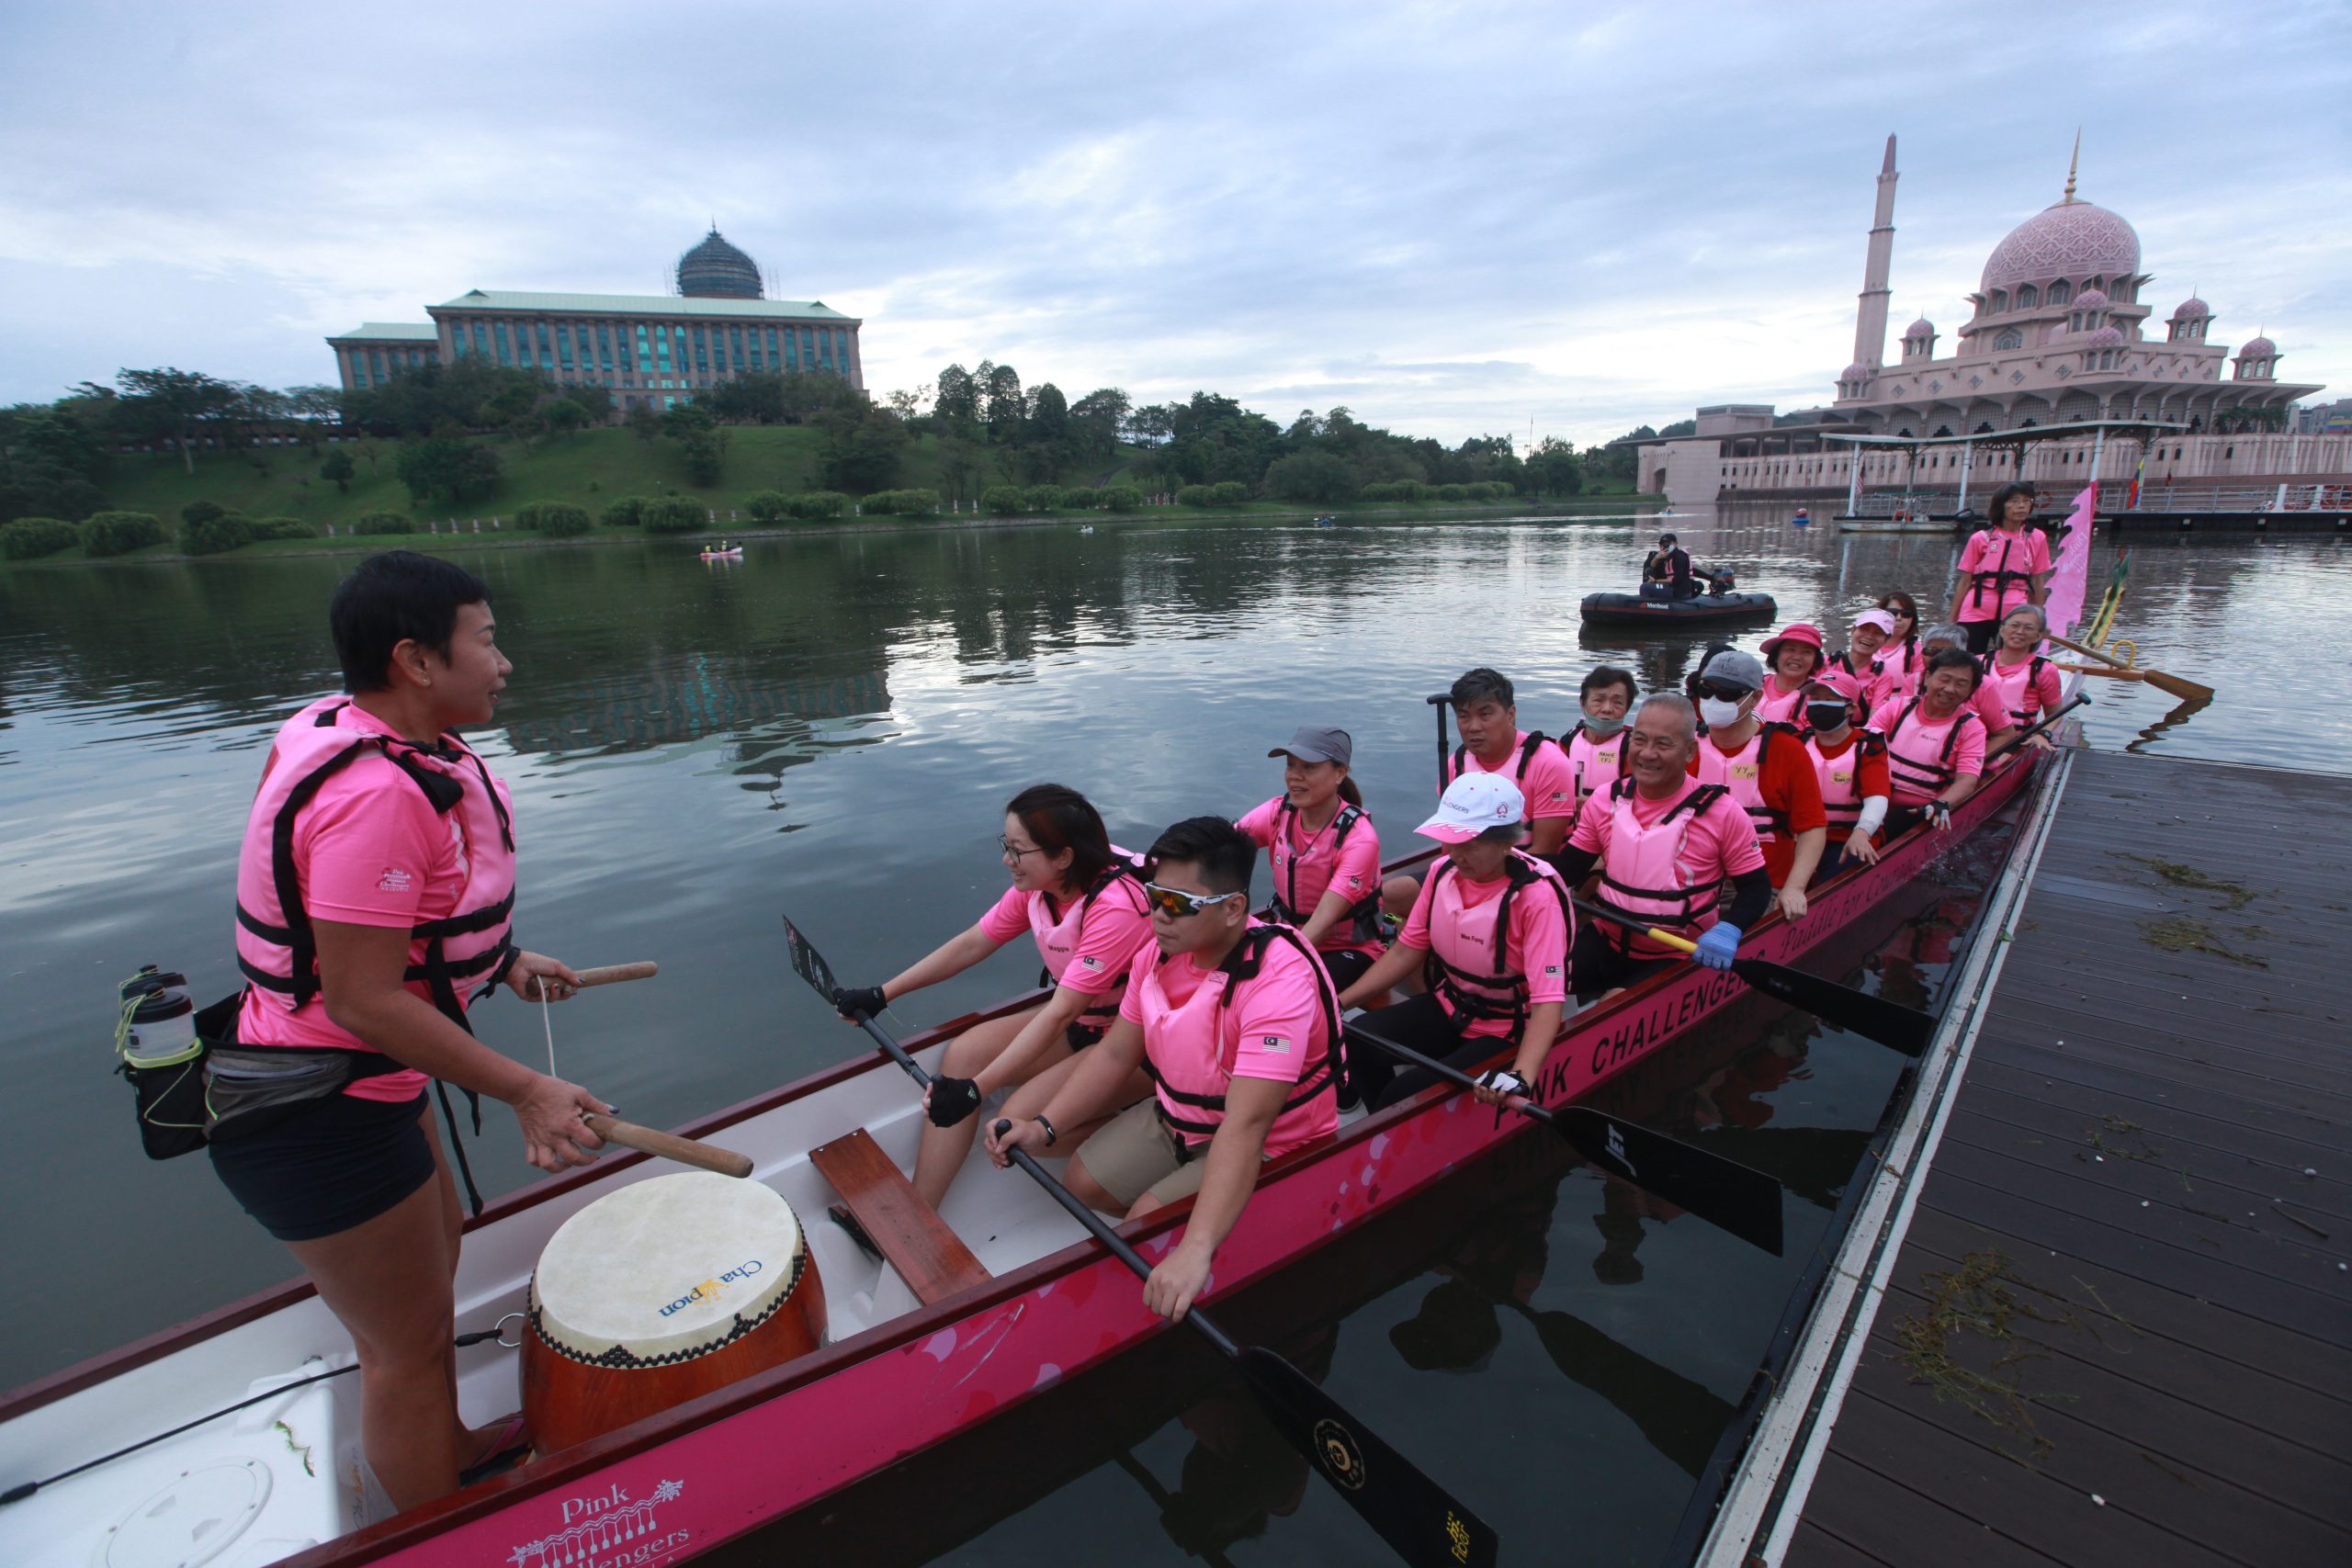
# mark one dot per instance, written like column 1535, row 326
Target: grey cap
column 1310, row 743
column 1734, row 668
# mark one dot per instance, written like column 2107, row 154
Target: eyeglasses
column 1014, row 851
column 1176, row 904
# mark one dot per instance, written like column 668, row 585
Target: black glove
column 1503, row 1080
column 851, row 1000
column 952, row 1100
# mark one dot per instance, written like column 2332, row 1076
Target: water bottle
column 158, row 1019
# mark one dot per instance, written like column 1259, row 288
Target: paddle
column 2037, row 726
column 1874, row 1018
column 1723, row 1192
column 1440, row 702
column 2156, row 678
column 1419, row 1520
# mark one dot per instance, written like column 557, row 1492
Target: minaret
column 1869, row 321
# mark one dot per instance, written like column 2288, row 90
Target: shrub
column 527, row 514
column 811, row 505
column 119, row 533
column 625, row 512
column 202, row 511
column 768, row 506
column 1121, row 498
column 203, row 536
column 1230, row 492
column 1453, row 492
column 675, row 516
column 384, row 523
column 1042, row 498
column 559, row 521
column 900, row 503
column 29, row 538
column 1195, row 495
column 282, row 528
column 1003, row 501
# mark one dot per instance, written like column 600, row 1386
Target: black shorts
column 1423, row 1024
column 1597, row 966
column 328, row 1168
column 1980, row 635
column 1346, row 968
column 1088, row 1029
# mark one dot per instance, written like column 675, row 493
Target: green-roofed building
column 649, row 350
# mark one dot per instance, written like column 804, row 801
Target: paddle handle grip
column 613, row 973
column 1615, row 918
column 668, row 1145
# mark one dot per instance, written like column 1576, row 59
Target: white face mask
column 1718, row 714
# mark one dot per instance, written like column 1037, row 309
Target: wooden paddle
column 1723, row 1192
column 668, row 1145
column 2156, row 678
column 1896, row 1027
column 1421, row 1522
column 612, row 974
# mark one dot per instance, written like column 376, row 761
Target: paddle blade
column 1896, row 1027
column 1722, row 1191
column 808, row 962
column 1419, row 1519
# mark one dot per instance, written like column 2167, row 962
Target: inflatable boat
column 1704, row 610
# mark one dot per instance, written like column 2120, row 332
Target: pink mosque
column 2056, row 335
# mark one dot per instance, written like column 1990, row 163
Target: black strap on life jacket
column 1362, row 920
column 1998, row 579
column 1929, row 778
column 1095, row 889
column 2032, row 675
column 1249, row 955
column 1697, row 902
column 1451, row 982
column 1526, row 754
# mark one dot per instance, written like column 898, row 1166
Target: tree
column 862, row 451
column 446, row 467
column 700, row 442
column 564, row 416
column 1319, row 478
column 1002, row 408
column 957, row 402
column 642, row 422
column 339, row 471
column 1095, row 420
column 175, row 405
column 1555, row 468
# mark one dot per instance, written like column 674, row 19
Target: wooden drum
column 658, row 1293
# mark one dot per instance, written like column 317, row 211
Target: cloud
column 1454, row 219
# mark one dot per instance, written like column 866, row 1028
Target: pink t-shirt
column 1086, row 949
column 1549, row 785
column 1723, row 834
column 369, row 851
column 1990, row 551
column 1274, row 1029
column 1446, row 917
column 2027, row 694
column 1305, row 866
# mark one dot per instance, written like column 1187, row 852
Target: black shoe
column 839, row 1213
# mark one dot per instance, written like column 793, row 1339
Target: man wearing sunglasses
column 1236, row 1024
column 1766, row 768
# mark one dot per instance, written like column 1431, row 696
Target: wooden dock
column 2113, row 1325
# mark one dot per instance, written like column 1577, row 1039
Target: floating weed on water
column 1985, row 1298
column 2235, row 895
column 2177, row 933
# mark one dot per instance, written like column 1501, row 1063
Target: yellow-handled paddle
column 2156, row 678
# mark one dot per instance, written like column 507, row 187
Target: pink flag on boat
column 2073, row 574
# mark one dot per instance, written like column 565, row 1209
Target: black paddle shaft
column 1440, row 702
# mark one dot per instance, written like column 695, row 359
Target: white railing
column 2210, row 497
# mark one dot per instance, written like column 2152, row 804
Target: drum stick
column 612, row 973
column 668, row 1145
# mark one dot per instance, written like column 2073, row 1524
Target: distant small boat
column 724, row 552
column 1086, row 529
column 1326, row 521
column 1706, row 609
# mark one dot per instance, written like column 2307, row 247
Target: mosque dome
column 2259, row 348
column 2071, row 239
column 717, row 270
column 2191, row 309
column 2105, row 337
column 1920, row 328
column 1857, row 371
column 2090, row 300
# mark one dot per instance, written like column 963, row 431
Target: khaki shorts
column 1137, row 1153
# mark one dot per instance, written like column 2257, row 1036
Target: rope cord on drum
column 23, row 1490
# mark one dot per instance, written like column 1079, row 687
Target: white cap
column 1471, row 805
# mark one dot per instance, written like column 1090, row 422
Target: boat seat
column 931, row 1259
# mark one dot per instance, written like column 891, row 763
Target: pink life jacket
column 1841, row 779
column 1469, row 969
column 1362, row 929
column 2000, row 581
column 1648, row 874
column 276, row 947
column 1774, row 707
column 2013, row 685
column 1056, row 931
column 1894, row 677
column 1189, row 1049
column 1741, row 773
column 1918, row 754
column 1594, row 765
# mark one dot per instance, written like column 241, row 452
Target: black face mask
column 1825, row 716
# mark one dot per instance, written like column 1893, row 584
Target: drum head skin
column 666, row 1270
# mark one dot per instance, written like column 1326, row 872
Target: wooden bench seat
column 931, row 1259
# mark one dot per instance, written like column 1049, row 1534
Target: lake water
column 829, row 729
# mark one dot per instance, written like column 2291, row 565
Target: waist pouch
column 248, row 1088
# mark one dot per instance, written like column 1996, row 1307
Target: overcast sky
column 1453, row 220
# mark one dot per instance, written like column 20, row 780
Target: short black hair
column 1221, row 853
column 391, row 598
column 1955, row 659
column 1610, row 675
column 1477, row 685
column 1060, row 818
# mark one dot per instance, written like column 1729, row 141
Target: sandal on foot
column 509, row 1449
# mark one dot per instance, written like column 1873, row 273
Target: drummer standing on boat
column 1236, row 1024
column 2000, row 568
column 374, row 891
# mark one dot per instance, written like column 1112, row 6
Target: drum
column 658, row 1293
